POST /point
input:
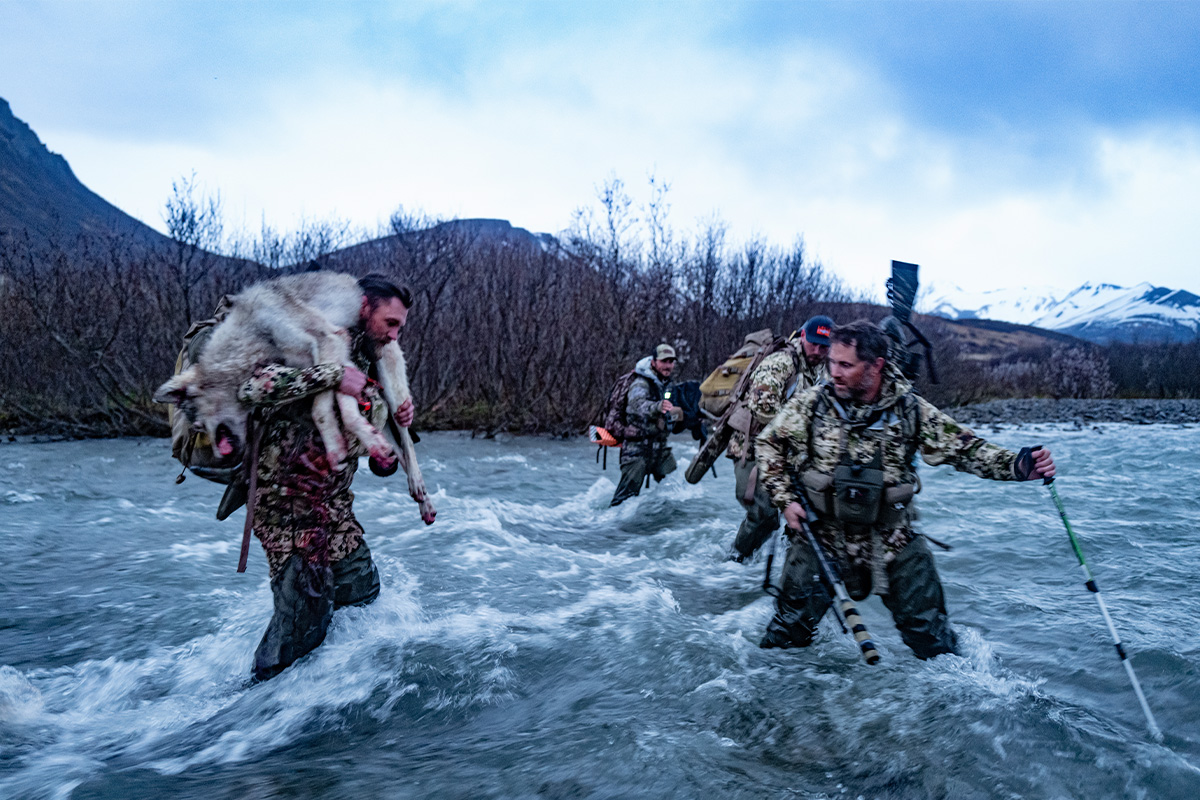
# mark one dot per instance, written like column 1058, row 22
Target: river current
column 534, row 643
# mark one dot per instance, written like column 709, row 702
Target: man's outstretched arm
column 944, row 441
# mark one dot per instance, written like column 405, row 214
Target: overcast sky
column 996, row 144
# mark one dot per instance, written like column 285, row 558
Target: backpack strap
column 912, row 419
column 254, row 434
column 819, row 407
column 656, row 391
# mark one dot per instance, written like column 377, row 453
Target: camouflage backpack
column 736, row 417
column 614, row 411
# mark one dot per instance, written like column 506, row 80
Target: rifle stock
column 711, row 449
column 843, row 606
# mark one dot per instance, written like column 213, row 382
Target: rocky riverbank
column 1079, row 412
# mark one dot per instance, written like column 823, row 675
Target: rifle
column 901, row 295
column 711, row 448
column 843, row 606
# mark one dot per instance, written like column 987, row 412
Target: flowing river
column 535, row 643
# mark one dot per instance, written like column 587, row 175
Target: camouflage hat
column 664, row 352
column 817, row 330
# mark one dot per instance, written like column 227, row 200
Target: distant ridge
column 475, row 232
column 40, row 195
column 1101, row 312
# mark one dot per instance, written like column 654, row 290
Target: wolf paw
column 385, row 459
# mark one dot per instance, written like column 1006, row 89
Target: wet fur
column 298, row 321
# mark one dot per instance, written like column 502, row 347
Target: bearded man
column 850, row 446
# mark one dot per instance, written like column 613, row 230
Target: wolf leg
column 332, row 349
column 394, row 380
column 301, row 348
column 381, row 450
column 408, row 461
column 327, row 425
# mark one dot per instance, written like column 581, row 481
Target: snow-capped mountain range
column 1099, row 312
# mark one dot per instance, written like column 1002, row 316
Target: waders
column 843, row 607
column 1094, row 589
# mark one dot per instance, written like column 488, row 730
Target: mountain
column 461, row 234
column 40, row 195
column 1021, row 306
column 1101, row 312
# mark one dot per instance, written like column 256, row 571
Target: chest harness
column 856, row 494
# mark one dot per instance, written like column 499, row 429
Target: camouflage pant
column 914, row 597
column 762, row 519
column 658, row 462
column 306, row 596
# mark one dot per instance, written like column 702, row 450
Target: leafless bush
column 510, row 331
column 1078, row 372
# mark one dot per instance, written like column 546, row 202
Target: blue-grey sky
column 997, row 144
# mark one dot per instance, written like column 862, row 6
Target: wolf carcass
column 298, row 321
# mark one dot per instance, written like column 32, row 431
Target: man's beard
column 365, row 343
column 853, row 394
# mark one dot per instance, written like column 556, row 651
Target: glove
column 1024, row 466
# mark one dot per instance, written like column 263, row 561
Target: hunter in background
column 641, row 418
column 786, row 368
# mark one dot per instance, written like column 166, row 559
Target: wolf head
column 211, row 406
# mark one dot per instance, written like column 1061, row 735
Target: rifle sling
column 254, row 435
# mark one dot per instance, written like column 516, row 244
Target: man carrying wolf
column 645, row 451
column 791, row 370
column 302, row 512
column 850, row 446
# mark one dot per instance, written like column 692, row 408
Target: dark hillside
column 41, row 197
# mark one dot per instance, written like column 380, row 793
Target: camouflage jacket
column 769, row 391
column 302, row 504
column 815, row 428
column 643, row 410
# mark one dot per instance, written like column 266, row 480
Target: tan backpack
column 735, row 415
column 716, row 391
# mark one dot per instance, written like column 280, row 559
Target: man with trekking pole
column 849, row 446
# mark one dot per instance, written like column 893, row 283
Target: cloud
column 520, row 116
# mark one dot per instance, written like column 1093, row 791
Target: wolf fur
column 298, row 321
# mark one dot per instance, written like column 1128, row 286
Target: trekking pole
column 843, row 606
column 1094, row 589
